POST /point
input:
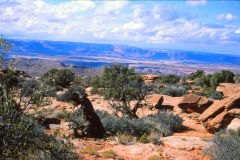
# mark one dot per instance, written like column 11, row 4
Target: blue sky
column 200, row 25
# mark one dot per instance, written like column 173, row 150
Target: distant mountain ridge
column 78, row 49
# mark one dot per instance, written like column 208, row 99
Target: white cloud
column 228, row 17
column 133, row 26
column 237, row 31
column 108, row 21
column 196, row 2
column 111, row 7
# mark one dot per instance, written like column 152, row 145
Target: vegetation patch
column 155, row 157
column 225, row 145
column 163, row 124
column 89, row 150
column 109, row 154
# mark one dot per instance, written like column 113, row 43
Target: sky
column 211, row 26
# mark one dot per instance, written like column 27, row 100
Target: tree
column 120, row 86
column 220, row 77
column 5, row 46
column 170, row 79
column 195, row 75
column 61, row 77
column 22, row 136
column 49, row 76
column 64, row 77
column 227, row 76
column 84, row 118
column 204, row 81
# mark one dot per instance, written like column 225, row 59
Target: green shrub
column 216, row 95
column 155, row 139
column 95, row 82
column 204, row 81
column 171, row 120
column 125, row 139
column 78, row 81
column 195, row 75
column 109, row 154
column 155, row 157
column 86, row 81
column 163, row 124
column 120, row 85
column 29, row 86
column 49, row 76
column 144, row 138
column 225, row 145
column 78, row 121
column 94, row 91
column 174, row 91
column 89, row 150
column 169, row 79
column 50, row 93
column 60, row 114
column 236, row 79
column 70, row 93
column 22, row 137
column 62, row 77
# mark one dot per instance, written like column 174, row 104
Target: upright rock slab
column 157, row 100
column 221, row 113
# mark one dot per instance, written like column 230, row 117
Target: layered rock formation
column 194, row 103
column 150, row 78
column 228, row 89
column 221, row 113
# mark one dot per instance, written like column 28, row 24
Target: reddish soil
column 191, row 128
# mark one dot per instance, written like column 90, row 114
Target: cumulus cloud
column 133, row 26
column 40, row 17
column 237, row 31
column 111, row 7
column 196, row 2
column 107, row 21
column 228, row 17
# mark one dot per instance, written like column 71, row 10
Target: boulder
column 234, row 112
column 150, row 77
column 148, row 81
column 194, row 103
column 157, row 100
column 228, row 89
column 221, row 113
column 234, row 125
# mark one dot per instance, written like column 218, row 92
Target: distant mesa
column 78, row 50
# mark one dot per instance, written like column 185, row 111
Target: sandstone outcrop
column 234, row 125
column 149, row 78
column 221, row 113
column 157, row 100
column 228, row 89
column 185, row 142
column 194, row 103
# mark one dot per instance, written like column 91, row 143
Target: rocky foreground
column 202, row 117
